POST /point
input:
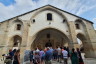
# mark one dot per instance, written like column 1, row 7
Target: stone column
column 22, row 49
column 90, row 46
column 90, row 51
column 4, row 40
column 30, row 41
column 24, row 40
column 94, row 50
column 72, row 36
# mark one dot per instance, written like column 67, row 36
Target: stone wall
column 3, row 36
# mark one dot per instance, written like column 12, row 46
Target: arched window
column 77, row 26
column 49, row 16
column 18, row 26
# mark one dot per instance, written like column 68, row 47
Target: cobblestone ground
column 86, row 61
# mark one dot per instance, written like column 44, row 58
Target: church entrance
column 50, row 38
column 48, row 44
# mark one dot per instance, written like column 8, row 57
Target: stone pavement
column 86, row 61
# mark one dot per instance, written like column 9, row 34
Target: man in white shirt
column 65, row 56
column 59, row 54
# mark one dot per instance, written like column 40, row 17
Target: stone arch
column 83, row 29
column 14, row 23
column 54, row 10
column 15, row 39
column 88, row 48
column 82, row 37
column 56, row 30
column 48, row 8
column 84, row 41
column 51, row 9
column 16, row 20
column 80, row 21
column 48, row 28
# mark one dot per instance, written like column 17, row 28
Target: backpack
column 37, row 59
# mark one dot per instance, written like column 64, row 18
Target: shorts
column 42, row 58
column 31, row 58
column 59, row 56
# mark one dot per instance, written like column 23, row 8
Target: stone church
column 47, row 26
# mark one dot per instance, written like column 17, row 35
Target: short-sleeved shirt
column 65, row 54
column 48, row 55
column 41, row 53
column 59, row 51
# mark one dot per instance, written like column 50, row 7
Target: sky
column 83, row 8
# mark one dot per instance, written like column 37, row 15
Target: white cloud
column 84, row 9
column 22, row 6
column 94, row 20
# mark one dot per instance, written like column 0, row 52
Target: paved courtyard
column 86, row 61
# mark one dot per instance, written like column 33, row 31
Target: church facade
column 47, row 26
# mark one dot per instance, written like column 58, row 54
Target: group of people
column 59, row 54
column 46, row 56
column 13, row 57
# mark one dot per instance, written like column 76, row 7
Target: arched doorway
column 48, row 44
column 80, row 43
column 84, row 42
column 16, row 41
column 50, row 38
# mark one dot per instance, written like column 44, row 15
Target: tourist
column 9, row 57
column 74, row 57
column 31, row 57
column 55, row 54
column 80, row 57
column 16, row 57
column 45, row 49
column 34, row 51
column 48, row 55
column 42, row 55
column 51, row 49
column 67, row 49
column 11, row 54
column 65, row 56
column 59, row 54
column 37, row 49
column 37, row 58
